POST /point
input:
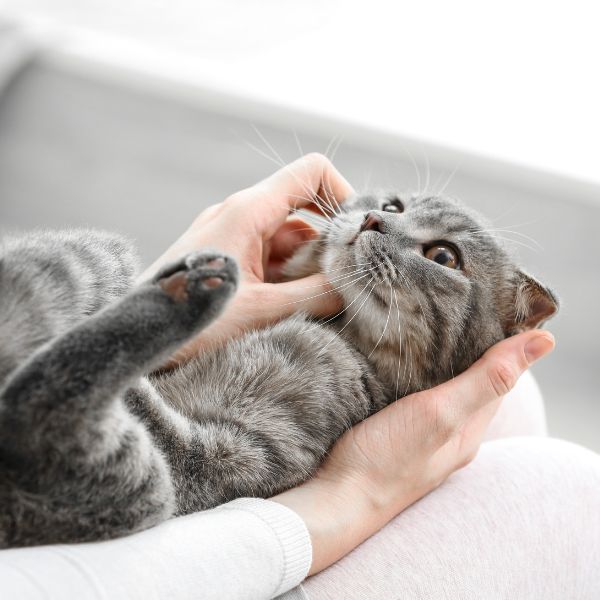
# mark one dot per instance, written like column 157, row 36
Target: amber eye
column 393, row 206
column 443, row 255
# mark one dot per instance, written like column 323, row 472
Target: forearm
column 246, row 548
column 340, row 515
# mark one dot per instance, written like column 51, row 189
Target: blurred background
column 135, row 115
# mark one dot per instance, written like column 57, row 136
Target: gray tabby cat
column 92, row 447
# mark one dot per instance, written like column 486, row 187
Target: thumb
column 497, row 371
column 313, row 294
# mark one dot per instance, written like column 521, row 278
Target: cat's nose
column 372, row 222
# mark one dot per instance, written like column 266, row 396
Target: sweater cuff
column 291, row 532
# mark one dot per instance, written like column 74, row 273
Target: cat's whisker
column 522, row 223
column 504, row 213
column 343, row 286
column 315, row 200
column 335, row 289
column 367, row 180
column 506, row 239
column 304, row 229
column 415, row 166
column 268, row 145
column 428, row 172
column 436, row 182
column 348, row 283
column 519, row 243
column 331, row 196
column 335, row 149
column 449, row 179
column 262, row 153
column 332, row 141
column 323, row 322
column 299, row 145
column 520, row 234
column 281, row 164
column 333, row 146
column 406, row 283
column 347, row 267
column 317, row 223
column 399, row 348
column 386, row 322
column 350, row 320
column 337, row 278
column 309, row 217
column 494, row 233
column 325, row 216
column 409, row 361
column 319, row 202
column 341, row 311
column 506, row 229
column 328, row 199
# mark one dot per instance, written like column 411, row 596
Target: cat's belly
column 266, row 408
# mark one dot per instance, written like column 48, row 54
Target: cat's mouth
column 353, row 239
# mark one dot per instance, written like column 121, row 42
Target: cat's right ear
column 534, row 304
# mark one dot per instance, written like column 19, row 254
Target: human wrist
column 339, row 514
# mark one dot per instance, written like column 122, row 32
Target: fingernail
column 539, row 346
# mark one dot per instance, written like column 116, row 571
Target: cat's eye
column 393, row 206
column 443, row 255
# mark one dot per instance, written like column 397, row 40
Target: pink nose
column 372, row 222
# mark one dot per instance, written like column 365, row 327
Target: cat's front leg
column 198, row 285
column 85, row 369
column 75, row 464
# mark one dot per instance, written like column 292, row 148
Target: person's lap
column 518, row 522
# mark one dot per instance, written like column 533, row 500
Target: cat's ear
column 534, row 304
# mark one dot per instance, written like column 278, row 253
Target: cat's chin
column 364, row 251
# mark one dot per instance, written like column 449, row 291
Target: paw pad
column 212, row 282
column 175, row 286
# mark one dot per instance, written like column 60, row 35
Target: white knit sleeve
column 246, row 549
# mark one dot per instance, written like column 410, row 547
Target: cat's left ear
column 534, row 304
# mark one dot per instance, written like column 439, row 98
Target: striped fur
column 93, row 445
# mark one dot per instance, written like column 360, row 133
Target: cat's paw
column 199, row 278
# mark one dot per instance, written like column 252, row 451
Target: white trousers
column 522, row 521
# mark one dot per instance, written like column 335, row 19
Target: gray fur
column 93, row 445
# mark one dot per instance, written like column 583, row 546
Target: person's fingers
column 276, row 251
column 289, row 236
column 465, row 406
column 312, row 294
column 492, row 376
column 308, row 180
column 274, row 271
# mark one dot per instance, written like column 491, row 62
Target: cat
column 95, row 443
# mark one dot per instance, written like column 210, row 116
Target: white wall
column 84, row 149
column 514, row 80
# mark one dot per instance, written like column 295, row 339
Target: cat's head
column 427, row 286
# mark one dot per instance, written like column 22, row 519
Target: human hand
column 395, row 457
column 253, row 227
